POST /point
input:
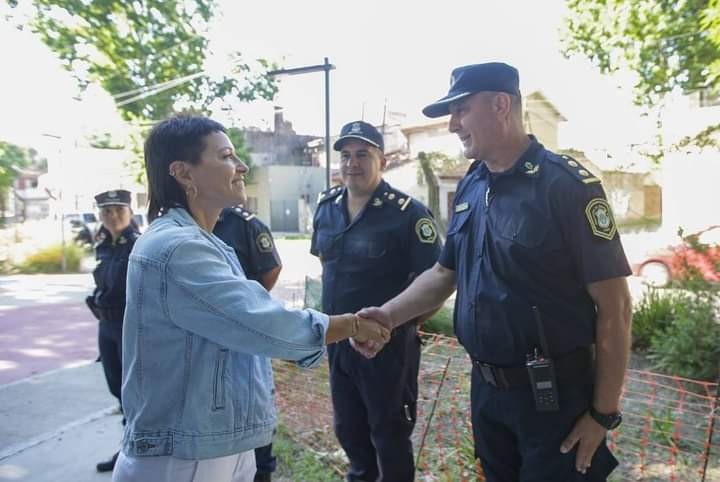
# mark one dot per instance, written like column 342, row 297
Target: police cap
column 118, row 197
column 470, row 79
column 360, row 130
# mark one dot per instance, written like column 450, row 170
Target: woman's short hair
column 180, row 138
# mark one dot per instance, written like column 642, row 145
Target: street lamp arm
column 302, row 70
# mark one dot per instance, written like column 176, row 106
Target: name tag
column 461, row 207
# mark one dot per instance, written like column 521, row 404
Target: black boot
column 262, row 477
column 108, row 465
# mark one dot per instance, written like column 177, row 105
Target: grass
column 295, row 462
column 441, row 322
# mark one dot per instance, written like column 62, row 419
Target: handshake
column 373, row 330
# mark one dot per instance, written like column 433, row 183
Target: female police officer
column 115, row 240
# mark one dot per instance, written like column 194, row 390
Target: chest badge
column 264, row 243
column 425, row 230
column 462, row 207
column 600, row 217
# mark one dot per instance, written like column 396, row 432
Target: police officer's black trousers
column 110, row 345
column 517, row 443
column 374, row 404
column 265, row 461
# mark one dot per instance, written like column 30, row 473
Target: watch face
column 615, row 421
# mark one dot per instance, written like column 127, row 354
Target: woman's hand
column 371, row 331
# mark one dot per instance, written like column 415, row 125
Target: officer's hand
column 378, row 314
column 588, row 435
column 367, row 349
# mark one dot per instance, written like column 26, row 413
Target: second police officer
column 372, row 241
column 255, row 248
column 114, row 241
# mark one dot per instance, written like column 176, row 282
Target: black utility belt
column 573, row 367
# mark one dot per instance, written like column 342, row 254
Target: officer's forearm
column 426, row 293
column 612, row 341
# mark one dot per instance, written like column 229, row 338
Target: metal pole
column 327, row 67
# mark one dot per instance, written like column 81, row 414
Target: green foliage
column 441, row 322
column 653, row 314
column 689, row 345
column 667, row 44
column 148, row 54
column 49, row 260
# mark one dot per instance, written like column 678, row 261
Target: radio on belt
column 541, row 370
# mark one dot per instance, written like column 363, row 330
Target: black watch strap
column 610, row 421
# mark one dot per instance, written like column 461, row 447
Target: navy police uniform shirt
column 372, row 258
column 533, row 236
column 110, row 273
column 250, row 238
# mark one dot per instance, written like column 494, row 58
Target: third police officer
column 372, row 240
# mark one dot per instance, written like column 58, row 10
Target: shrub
column 441, row 322
column 652, row 315
column 690, row 345
column 49, row 259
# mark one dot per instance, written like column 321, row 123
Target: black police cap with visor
column 118, row 197
column 360, row 130
column 471, row 79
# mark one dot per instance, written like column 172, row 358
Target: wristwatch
column 610, row 421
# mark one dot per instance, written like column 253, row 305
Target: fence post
column 432, row 412
column 713, row 415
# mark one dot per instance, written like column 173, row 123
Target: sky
column 397, row 52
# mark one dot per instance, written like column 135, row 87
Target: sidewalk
column 57, row 426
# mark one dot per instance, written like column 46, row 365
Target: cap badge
column 112, row 194
column 355, row 129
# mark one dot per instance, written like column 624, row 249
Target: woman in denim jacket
column 197, row 382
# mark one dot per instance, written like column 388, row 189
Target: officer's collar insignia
column 531, row 168
column 425, row 230
column 338, row 200
column 377, row 202
column 600, row 217
column 264, row 243
column 390, row 195
column 122, row 240
column 462, row 207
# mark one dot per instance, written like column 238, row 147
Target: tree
column 13, row 157
column 148, row 54
column 666, row 43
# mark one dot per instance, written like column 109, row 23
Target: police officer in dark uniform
column 542, row 307
column 114, row 241
column 254, row 246
column 372, row 241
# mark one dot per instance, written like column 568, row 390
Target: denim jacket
column 197, row 382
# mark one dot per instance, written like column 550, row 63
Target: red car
column 697, row 255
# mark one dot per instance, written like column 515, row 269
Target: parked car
column 698, row 255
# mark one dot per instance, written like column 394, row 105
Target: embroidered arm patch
column 601, row 219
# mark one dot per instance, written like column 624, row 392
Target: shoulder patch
column 572, row 166
column 425, row 230
column 396, row 198
column 242, row 213
column 600, row 217
column 329, row 194
column 264, row 243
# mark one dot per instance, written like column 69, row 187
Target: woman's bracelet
column 355, row 326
